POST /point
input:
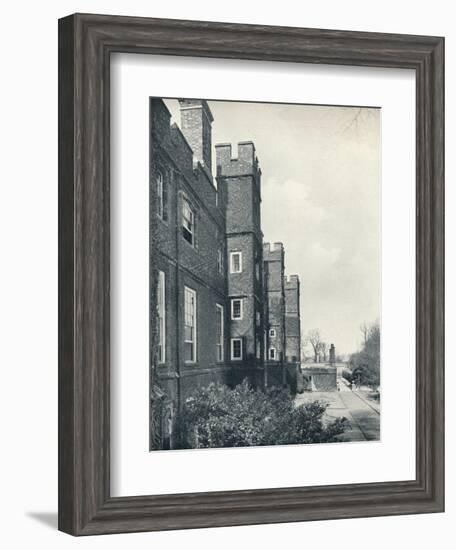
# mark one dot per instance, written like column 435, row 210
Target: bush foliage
column 347, row 374
column 217, row 416
column 365, row 365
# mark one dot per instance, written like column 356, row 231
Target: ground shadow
column 49, row 519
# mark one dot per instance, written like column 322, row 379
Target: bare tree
column 324, row 350
column 314, row 339
column 364, row 328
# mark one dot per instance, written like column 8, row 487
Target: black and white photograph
column 227, row 242
column 265, row 273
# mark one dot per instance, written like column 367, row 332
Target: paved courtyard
column 362, row 414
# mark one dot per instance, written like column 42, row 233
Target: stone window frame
column 220, row 262
column 241, row 309
column 160, row 183
column 161, row 312
column 220, row 344
column 272, row 333
column 240, row 356
column 192, row 292
column 192, row 230
column 232, row 254
column 272, row 356
column 162, row 195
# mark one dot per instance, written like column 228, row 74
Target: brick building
column 239, row 182
column 292, row 319
column 218, row 297
column 274, row 268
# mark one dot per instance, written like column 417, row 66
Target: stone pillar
column 332, row 355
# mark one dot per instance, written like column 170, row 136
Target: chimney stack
column 196, row 125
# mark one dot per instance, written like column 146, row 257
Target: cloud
column 333, row 245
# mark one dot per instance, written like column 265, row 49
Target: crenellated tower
column 239, row 188
column 274, row 268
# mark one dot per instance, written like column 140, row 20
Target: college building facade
column 221, row 306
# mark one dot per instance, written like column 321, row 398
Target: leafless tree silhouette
column 314, row 339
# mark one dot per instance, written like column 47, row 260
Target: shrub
column 217, row 416
column 347, row 374
column 365, row 364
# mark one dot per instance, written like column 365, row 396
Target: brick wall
column 320, row 378
column 274, row 266
column 292, row 318
column 194, row 265
column 239, row 185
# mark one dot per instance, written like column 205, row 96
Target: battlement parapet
column 246, row 162
column 273, row 251
column 291, row 281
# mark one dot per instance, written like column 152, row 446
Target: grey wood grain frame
column 85, row 45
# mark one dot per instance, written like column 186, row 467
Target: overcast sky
column 321, row 198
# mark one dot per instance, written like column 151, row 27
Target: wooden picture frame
column 85, row 45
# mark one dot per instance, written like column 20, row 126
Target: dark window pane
column 187, row 235
column 188, row 352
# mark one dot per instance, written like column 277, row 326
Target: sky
column 321, row 171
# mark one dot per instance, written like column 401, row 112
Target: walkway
column 364, row 417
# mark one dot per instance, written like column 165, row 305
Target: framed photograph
column 251, row 274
